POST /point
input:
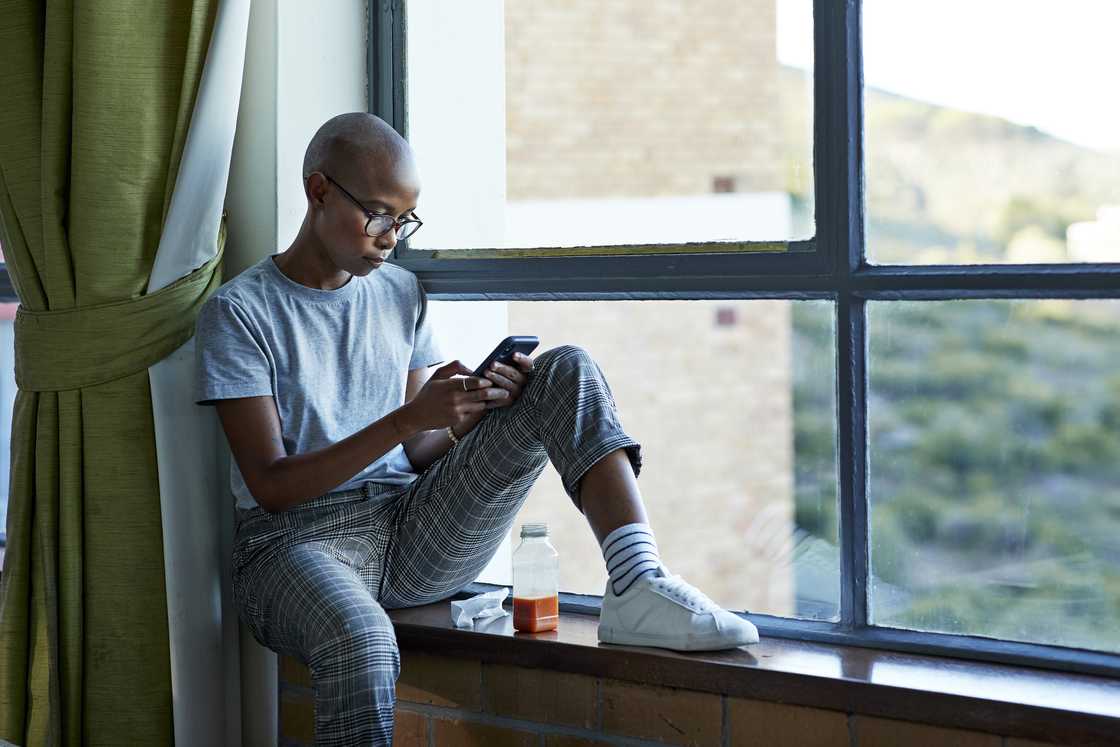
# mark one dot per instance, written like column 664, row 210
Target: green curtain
column 95, row 102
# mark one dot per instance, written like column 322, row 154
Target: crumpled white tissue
column 465, row 611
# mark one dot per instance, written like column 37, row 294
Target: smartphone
column 505, row 350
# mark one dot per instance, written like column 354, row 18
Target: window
column 597, row 125
column 995, row 474
column 634, row 137
column 944, row 466
column 999, row 146
column 740, row 489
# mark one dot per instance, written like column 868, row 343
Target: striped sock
column 630, row 552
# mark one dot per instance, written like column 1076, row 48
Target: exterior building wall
column 641, row 97
column 712, row 406
column 645, row 99
column 1096, row 241
column 449, row 700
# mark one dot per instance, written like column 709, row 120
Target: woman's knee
column 565, row 363
column 571, row 365
column 562, row 354
column 358, row 636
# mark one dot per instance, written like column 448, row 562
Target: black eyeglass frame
column 396, row 225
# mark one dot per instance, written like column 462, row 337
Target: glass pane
column 991, row 134
column 995, row 469
column 542, row 124
column 733, row 402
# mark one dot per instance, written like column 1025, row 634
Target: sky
column 1053, row 64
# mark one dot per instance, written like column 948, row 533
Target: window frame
column 831, row 266
column 698, row 270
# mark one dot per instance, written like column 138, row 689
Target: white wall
column 457, row 120
column 676, row 219
column 251, row 223
column 321, row 69
column 251, row 195
column 305, row 62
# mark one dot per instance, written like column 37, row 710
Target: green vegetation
column 995, row 466
column 994, row 426
column 949, row 186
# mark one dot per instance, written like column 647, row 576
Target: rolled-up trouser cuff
column 577, row 417
column 591, row 454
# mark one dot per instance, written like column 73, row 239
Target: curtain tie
column 88, row 345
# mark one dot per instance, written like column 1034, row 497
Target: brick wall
column 712, row 406
column 637, row 99
column 448, row 702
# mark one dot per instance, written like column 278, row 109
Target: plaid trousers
column 313, row 582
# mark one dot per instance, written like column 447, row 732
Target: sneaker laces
column 685, row 592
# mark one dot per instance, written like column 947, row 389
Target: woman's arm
column 278, row 481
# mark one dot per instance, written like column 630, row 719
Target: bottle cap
column 534, row 530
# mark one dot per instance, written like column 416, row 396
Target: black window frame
column 831, row 266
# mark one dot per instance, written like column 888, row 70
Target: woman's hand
column 511, row 379
column 445, row 401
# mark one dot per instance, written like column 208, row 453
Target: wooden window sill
column 1024, row 702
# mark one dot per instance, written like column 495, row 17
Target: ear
column 315, row 188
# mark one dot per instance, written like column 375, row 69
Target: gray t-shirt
column 334, row 360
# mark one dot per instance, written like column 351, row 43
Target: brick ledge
column 941, row 691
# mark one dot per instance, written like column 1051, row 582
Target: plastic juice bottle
column 536, row 581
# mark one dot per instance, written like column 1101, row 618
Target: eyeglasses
column 380, row 223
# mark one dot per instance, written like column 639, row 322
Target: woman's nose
column 388, row 240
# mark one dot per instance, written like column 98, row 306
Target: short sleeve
column 425, row 349
column 229, row 359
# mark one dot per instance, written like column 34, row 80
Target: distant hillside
column 993, row 426
column 944, row 183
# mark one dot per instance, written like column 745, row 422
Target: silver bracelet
column 451, row 433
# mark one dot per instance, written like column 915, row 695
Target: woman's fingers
column 504, row 382
column 509, row 372
column 492, row 393
column 468, row 383
column 448, row 370
column 501, row 387
column 524, row 362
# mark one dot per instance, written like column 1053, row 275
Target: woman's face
column 339, row 222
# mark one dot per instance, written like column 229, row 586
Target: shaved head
column 360, row 148
column 357, row 173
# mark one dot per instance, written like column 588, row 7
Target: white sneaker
column 668, row 612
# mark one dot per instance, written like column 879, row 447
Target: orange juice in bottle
column 536, row 581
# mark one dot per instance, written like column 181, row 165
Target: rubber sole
column 607, row 634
